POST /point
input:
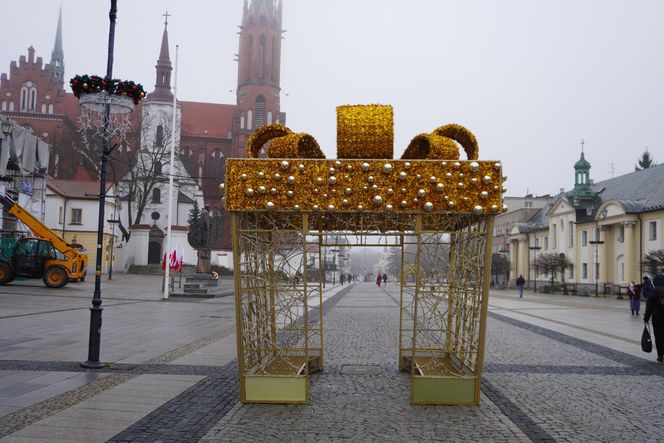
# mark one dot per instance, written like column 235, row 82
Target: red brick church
column 35, row 95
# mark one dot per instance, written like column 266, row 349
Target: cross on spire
column 583, row 142
column 166, row 19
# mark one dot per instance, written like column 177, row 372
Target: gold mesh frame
column 445, row 259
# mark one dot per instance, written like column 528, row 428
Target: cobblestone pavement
column 546, row 377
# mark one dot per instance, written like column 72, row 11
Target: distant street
column 558, row 368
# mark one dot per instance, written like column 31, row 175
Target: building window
column 536, row 242
column 242, row 121
column 160, row 137
column 60, row 215
column 584, row 271
column 584, row 238
column 555, row 236
column 529, row 204
column 621, row 234
column 652, row 230
column 11, row 105
column 571, row 234
column 597, row 271
column 157, row 167
column 546, row 243
column 50, row 108
column 269, row 117
column 260, row 111
column 4, row 105
column 76, row 216
column 156, row 195
column 250, row 116
column 24, row 99
column 43, row 108
column 33, row 99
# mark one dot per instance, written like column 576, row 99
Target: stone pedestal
column 203, row 264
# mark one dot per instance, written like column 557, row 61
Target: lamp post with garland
column 104, row 92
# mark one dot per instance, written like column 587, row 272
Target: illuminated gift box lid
column 429, row 177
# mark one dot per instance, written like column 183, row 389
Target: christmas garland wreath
column 85, row 84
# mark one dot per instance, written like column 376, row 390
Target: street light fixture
column 598, row 242
column 7, row 126
column 535, row 248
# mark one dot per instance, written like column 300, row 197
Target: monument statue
column 204, row 256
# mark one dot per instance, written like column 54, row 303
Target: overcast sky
column 530, row 78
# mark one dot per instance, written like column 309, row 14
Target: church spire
column 58, row 57
column 162, row 87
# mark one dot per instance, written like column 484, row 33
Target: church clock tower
column 258, row 71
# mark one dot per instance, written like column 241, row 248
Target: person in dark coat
column 384, row 279
column 655, row 310
column 646, row 287
column 520, row 283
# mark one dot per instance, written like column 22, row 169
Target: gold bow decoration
column 441, row 144
column 284, row 143
column 429, row 176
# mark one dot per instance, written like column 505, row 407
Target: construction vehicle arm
column 38, row 228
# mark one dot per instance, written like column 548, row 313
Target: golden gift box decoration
column 429, row 177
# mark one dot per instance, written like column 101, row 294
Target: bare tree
column 147, row 166
column 552, row 263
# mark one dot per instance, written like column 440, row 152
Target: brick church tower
column 258, row 71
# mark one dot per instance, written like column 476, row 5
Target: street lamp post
column 94, row 342
column 596, row 243
column 535, row 248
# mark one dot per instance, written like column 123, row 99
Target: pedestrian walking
column 384, row 279
column 520, row 283
column 634, row 294
column 655, row 310
column 341, row 279
column 379, row 280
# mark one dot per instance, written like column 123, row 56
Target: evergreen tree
column 193, row 222
column 654, row 261
column 645, row 161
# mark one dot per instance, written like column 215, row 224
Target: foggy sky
column 529, row 78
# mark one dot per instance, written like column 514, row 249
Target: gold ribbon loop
column 284, row 143
column 441, row 144
column 461, row 135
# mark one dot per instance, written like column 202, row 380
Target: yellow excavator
column 46, row 255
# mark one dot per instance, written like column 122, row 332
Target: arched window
column 159, row 141
column 188, row 160
column 260, row 111
column 11, row 105
column 250, row 116
column 241, row 121
column 273, row 61
column 269, row 117
column 50, row 108
column 4, row 105
column 33, row 99
column 24, row 99
column 156, row 195
column 261, row 57
column 157, row 167
column 43, row 108
column 250, row 55
column 215, row 165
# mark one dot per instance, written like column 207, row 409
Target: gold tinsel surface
column 365, row 131
column 370, row 185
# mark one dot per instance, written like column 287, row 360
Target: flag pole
column 170, row 178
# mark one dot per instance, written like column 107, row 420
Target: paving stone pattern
column 539, row 385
